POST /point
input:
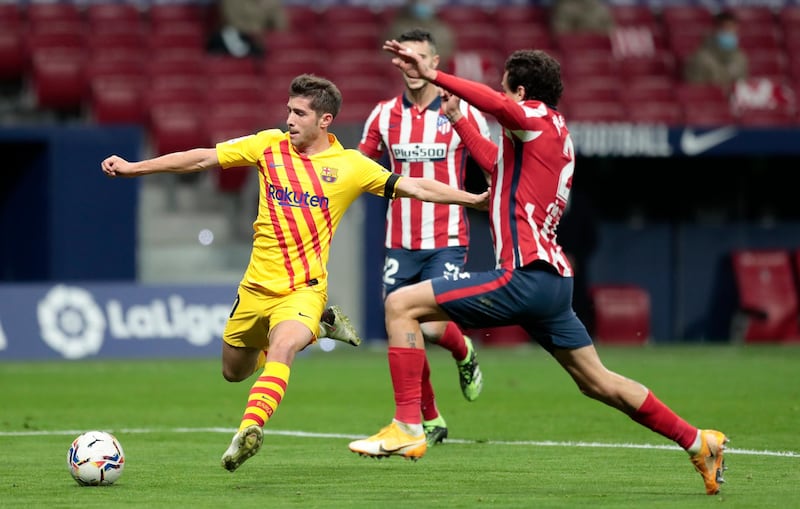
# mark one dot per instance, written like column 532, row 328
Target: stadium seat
column 58, row 77
column 340, row 17
column 767, row 296
column 661, row 65
column 119, row 15
column 516, row 37
column 595, row 111
column 162, row 15
column 459, row 15
column 516, row 15
column 589, row 64
column 708, row 115
column 46, row 13
column 634, row 15
column 10, row 14
column 177, row 36
column 471, row 36
column 578, row 42
column 621, row 314
column 655, row 111
column 118, row 99
column 226, row 66
column 176, row 127
column 13, row 53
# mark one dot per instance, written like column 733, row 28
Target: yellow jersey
column 301, row 202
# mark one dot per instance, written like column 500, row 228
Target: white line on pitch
column 308, row 434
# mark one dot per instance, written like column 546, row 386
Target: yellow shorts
column 255, row 313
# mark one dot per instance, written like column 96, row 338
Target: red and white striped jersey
column 533, row 177
column 421, row 143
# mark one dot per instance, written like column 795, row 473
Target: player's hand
column 482, row 200
column 115, row 166
column 409, row 61
column 451, row 106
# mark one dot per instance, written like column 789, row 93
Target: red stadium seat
column 654, row 111
column 226, row 66
column 176, row 127
column 13, row 53
column 660, row 65
column 516, row 37
column 118, row 99
column 621, row 314
column 471, row 36
column 11, row 16
column 635, row 15
column 516, row 15
column 117, row 15
column 177, row 36
column 595, row 111
column 768, row 297
column 46, row 13
column 579, row 42
column 589, row 64
column 162, row 15
column 340, row 17
column 459, row 15
column 59, row 78
column 708, row 115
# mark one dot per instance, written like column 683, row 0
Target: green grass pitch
column 530, row 441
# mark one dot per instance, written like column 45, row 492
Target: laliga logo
column 71, row 322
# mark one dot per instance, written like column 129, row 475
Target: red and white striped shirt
column 533, row 177
column 421, row 143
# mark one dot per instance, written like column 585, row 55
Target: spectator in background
column 422, row 14
column 568, row 16
column 719, row 60
column 243, row 25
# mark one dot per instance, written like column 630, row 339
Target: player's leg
column 449, row 262
column 433, row 423
column 570, row 345
column 290, row 332
column 404, row 436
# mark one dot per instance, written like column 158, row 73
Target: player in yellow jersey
column 307, row 180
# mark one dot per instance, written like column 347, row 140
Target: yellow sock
column 266, row 394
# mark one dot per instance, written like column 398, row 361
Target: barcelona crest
column 329, row 174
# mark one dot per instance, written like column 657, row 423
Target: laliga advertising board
column 111, row 320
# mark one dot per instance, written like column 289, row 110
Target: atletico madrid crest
column 329, row 174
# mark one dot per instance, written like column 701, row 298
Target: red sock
column 406, row 366
column 658, row 417
column 428, row 406
column 453, row 340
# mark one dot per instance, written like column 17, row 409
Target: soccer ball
column 95, row 458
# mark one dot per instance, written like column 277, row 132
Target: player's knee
column 231, row 374
column 393, row 305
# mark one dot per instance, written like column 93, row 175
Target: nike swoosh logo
column 387, row 451
column 305, row 316
column 693, row 144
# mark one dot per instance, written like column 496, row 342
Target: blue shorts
column 536, row 299
column 404, row 267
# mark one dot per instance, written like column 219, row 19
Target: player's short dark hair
column 418, row 35
column 324, row 94
column 538, row 72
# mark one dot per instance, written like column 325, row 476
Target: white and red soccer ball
column 95, row 458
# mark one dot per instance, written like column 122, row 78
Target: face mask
column 422, row 11
column 727, row 41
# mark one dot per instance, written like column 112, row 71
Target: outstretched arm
column 507, row 112
column 437, row 192
column 190, row 161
